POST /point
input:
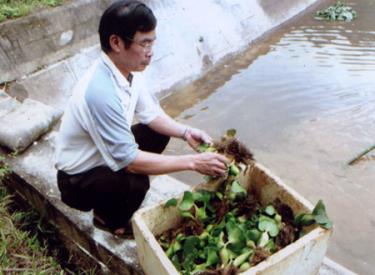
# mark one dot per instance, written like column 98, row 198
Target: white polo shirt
column 95, row 129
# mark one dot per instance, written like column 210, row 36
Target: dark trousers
column 114, row 196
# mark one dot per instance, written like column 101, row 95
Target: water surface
column 303, row 100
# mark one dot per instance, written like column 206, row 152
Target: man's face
column 138, row 56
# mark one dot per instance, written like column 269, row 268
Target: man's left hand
column 195, row 136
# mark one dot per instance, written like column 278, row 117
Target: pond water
column 303, row 100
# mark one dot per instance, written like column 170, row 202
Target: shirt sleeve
column 147, row 107
column 110, row 130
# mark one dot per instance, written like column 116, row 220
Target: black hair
column 124, row 18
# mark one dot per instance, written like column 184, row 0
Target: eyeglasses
column 146, row 44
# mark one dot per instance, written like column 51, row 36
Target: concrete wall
column 193, row 36
column 29, row 43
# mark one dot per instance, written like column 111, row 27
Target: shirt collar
column 117, row 75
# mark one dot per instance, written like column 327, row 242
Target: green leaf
column 187, row 214
column 253, row 235
column 219, row 195
column 201, row 213
column 211, row 149
column 242, row 219
column 266, row 224
column 231, row 132
column 224, row 255
column 236, row 248
column 234, row 170
column 171, row 202
column 245, row 266
column 263, row 240
column 230, row 217
column 278, row 219
column 304, row 219
column 202, row 196
column 237, row 191
column 270, row 210
column 176, row 262
column 209, row 227
column 199, row 268
column 320, row 215
column 203, row 147
column 251, row 244
column 270, row 246
column 180, row 237
column 170, row 251
column 190, row 245
column 217, row 229
column 187, row 201
column 212, row 257
column 188, row 263
column 236, row 238
column 218, row 240
column 242, row 258
column 176, row 246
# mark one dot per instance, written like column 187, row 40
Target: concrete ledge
column 32, row 42
column 330, row 267
column 26, row 123
column 54, row 84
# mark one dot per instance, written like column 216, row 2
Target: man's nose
column 149, row 53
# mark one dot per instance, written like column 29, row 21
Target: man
column 103, row 162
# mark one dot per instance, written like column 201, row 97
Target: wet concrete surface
column 303, row 100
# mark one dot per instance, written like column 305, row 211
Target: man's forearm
column 155, row 164
column 165, row 125
column 212, row 164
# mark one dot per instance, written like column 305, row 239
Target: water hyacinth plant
column 227, row 230
column 337, row 12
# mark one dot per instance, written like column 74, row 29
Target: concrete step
column 47, row 36
column 21, row 123
column 7, row 103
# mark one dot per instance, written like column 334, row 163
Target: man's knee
column 149, row 140
column 164, row 140
column 138, row 185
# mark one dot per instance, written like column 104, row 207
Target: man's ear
column 116, row 43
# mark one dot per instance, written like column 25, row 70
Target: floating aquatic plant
column 337, row 12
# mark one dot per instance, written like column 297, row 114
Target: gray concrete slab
column 54, row 84
column 7, row 103
column 26, row 122
column 29, row 43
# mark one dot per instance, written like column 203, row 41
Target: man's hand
column 195, row 136
column 211, row 164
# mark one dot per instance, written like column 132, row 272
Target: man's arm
column 165, row 125
column 154, row 164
